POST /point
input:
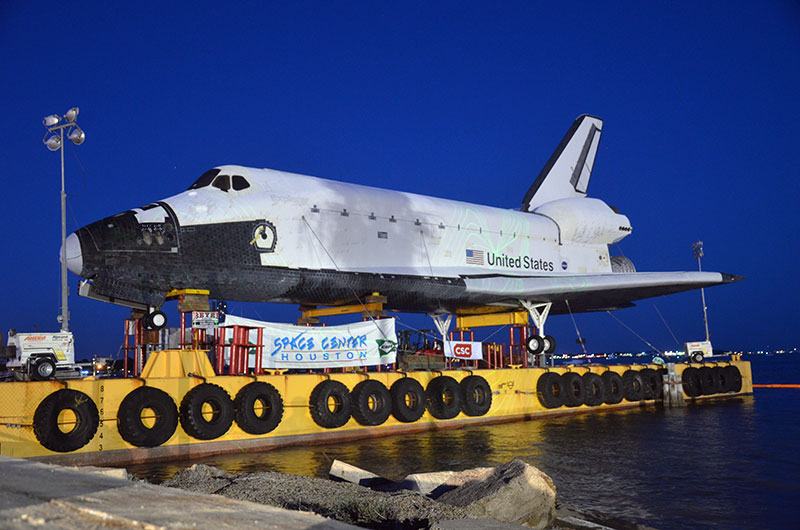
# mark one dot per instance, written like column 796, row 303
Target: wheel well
column 33, row 357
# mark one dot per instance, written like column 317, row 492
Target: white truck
column 40, row 356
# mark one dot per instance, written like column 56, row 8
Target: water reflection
column 726, row 464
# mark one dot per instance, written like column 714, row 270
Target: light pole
column 55, row 125
column 698, row 253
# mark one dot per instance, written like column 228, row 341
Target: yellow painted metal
column 483, row 310
column 493, row 319
column 175, row 293
column 514, row 397
column 342, row 310
column 177, row 363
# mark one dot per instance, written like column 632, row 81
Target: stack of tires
column 573, row 389
column 370, row 403
column 711, row 380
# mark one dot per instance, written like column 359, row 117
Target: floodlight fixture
column 51, row 120
column 53, row 143
column 55, row 127
column 77, row 135
column 698, row 249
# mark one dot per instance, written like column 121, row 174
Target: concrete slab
column 35, row 494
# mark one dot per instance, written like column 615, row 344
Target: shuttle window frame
column 222, row 182
column 239, row 182
column 205, row 179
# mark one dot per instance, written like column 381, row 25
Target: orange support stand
column 238, row 349
column 133, row 328
column 518, row 336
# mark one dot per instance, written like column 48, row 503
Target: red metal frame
column 239, row 347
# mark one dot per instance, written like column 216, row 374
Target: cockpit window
column 239, row 182
column 222, row 182
column 205, row 179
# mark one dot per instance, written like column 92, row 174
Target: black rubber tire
column 734, row 378
column 652, row 383
column 697, row 357
column 709, row 381
column 722, row 377
column 612, row 387
column 632, row 386
column 43, row 369
column 574, row 389
column 534, row 344
column 45, row 420
column 550, row 344
column 320, row 404
column 476, row 395
column 195, row 423
column 550, row 390
column 691, row 382
column 129, row 417
column 245, row 403
column 372, row 403
column 593, row 389
column 444, row 397
column 408, row 400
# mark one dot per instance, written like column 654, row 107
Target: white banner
column 463, row 349
column 288, row 346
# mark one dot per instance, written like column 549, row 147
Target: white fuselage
column 329, row 225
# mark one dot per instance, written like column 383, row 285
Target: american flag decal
column 474, row 257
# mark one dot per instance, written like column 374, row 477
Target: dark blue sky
column 464, row 100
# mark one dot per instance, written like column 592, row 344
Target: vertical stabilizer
column 566, row 174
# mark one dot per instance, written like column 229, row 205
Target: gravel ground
column 342, row 501
column 357, row 505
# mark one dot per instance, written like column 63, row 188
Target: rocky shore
column 508, row 496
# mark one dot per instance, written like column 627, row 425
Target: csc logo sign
column 462, row 350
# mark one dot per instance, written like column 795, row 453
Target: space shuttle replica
column 261, row 235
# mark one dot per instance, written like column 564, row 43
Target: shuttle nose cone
column 73, row 254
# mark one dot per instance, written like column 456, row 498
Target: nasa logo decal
column 564, row 265
column 265, row 237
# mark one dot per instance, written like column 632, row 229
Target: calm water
column 729, row 464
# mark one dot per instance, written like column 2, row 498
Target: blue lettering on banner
column 284, row 357
column 300, row 343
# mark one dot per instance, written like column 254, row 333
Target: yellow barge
column 178, row 407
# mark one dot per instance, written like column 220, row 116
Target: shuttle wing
column 596, row 292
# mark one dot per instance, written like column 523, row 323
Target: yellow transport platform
column 32, row 411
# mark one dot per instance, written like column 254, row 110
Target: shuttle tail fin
column 567, row 173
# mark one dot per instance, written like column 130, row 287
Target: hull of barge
column 514, row 397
